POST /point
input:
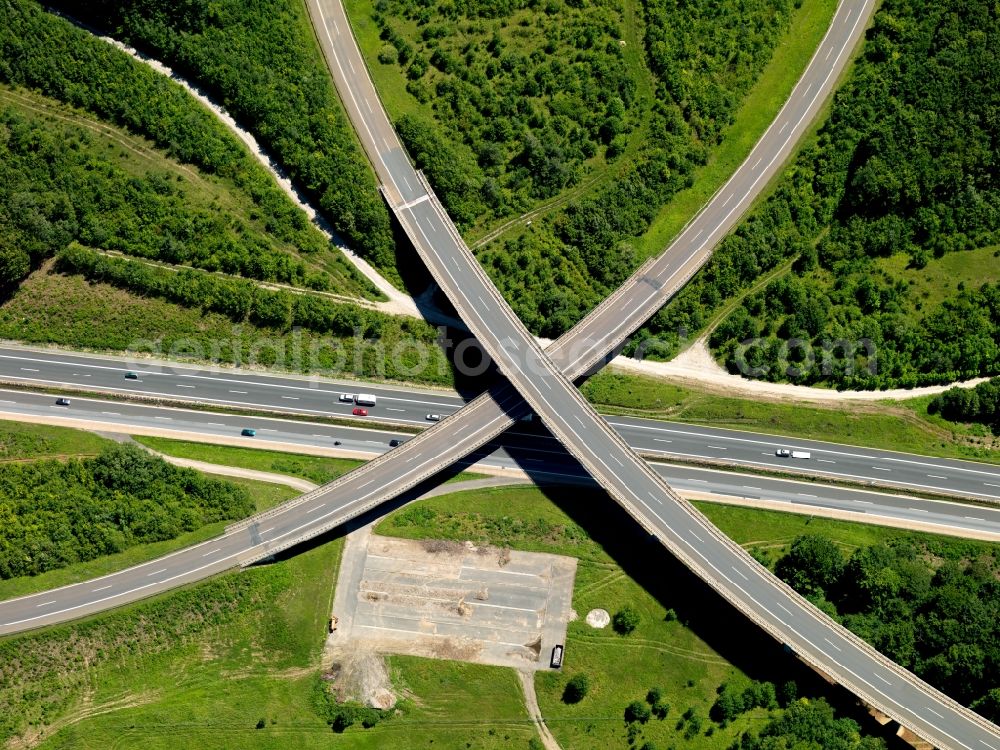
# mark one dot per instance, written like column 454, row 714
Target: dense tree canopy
column 57, row 185
column 261, row 61
column 905, row 167
column 941, row 620
column 53, row 514
column 979, row 404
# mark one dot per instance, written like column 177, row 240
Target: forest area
column 513, row 103
column 61, row 182
column 260, row 60
column 891, row 215
column 55, row 513
column 931, row 609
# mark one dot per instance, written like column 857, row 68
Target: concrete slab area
column 452, row 600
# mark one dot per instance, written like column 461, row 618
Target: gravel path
column 697, row 366
column 527, row 680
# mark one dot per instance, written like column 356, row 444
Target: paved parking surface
column 455, row 601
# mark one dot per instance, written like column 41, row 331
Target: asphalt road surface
column 518, row 449
column 316, row 397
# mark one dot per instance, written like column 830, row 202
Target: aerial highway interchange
column 544, row 380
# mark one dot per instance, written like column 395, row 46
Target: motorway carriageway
column 315, row 397
column 520, row 449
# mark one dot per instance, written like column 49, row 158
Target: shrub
column 625, row 620
column 576, row 689
column 637, row 711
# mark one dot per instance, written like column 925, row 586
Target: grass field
column 902, row 426
column 21, row 441
column 318, row 469
column 50, row 308
column 687, row 656
column 212, row 660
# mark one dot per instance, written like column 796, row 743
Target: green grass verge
column 264, row 495
column 208, row 662
column 902, row 426
column 761, row 105
column 21, row 441
column 318, row 469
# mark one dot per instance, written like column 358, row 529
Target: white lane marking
column 700, row 233
column 755, row 489
column 181, row 385
column 697, row 537
column 662, row 440
column 29, row 369
column 864, row 502
column 350, row 61
column 727, row 200
column 825, row 461
column 269, row 528
column 217, row 549
column 368, row 102
column 313, row 510
column 740, row 573
column 414, row 457
column 243, row 393
column 806, row 92
column 936, row 476
column 45, row 604
column 408, row 186
column 786, row 609
column 362, row 486
column 881, row 468
column 389, row 408
column 757, row 163
column 156, row 572
column 828, row 53
column 991, row 485
column 316, row 434
column 215, row 424
column 883, row 679
column 802, row 494
column 165, row 419
column 654, row 497
column 918, row 510
column 291, row 398
column 848, row 16
column 716, row 447
column 780, row 132
column 266, row 429
column 111, row 413
column 833, row 644
column 102, row 588
column 580, row 420
column 618, row 461
column 8, row 402
column 974, row 518
column 935, row 712
column 702, row 481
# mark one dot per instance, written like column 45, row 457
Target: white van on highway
column 364, row 399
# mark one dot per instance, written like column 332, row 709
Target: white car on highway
column 433, row 417
column 347, row 398
column 785, row 453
